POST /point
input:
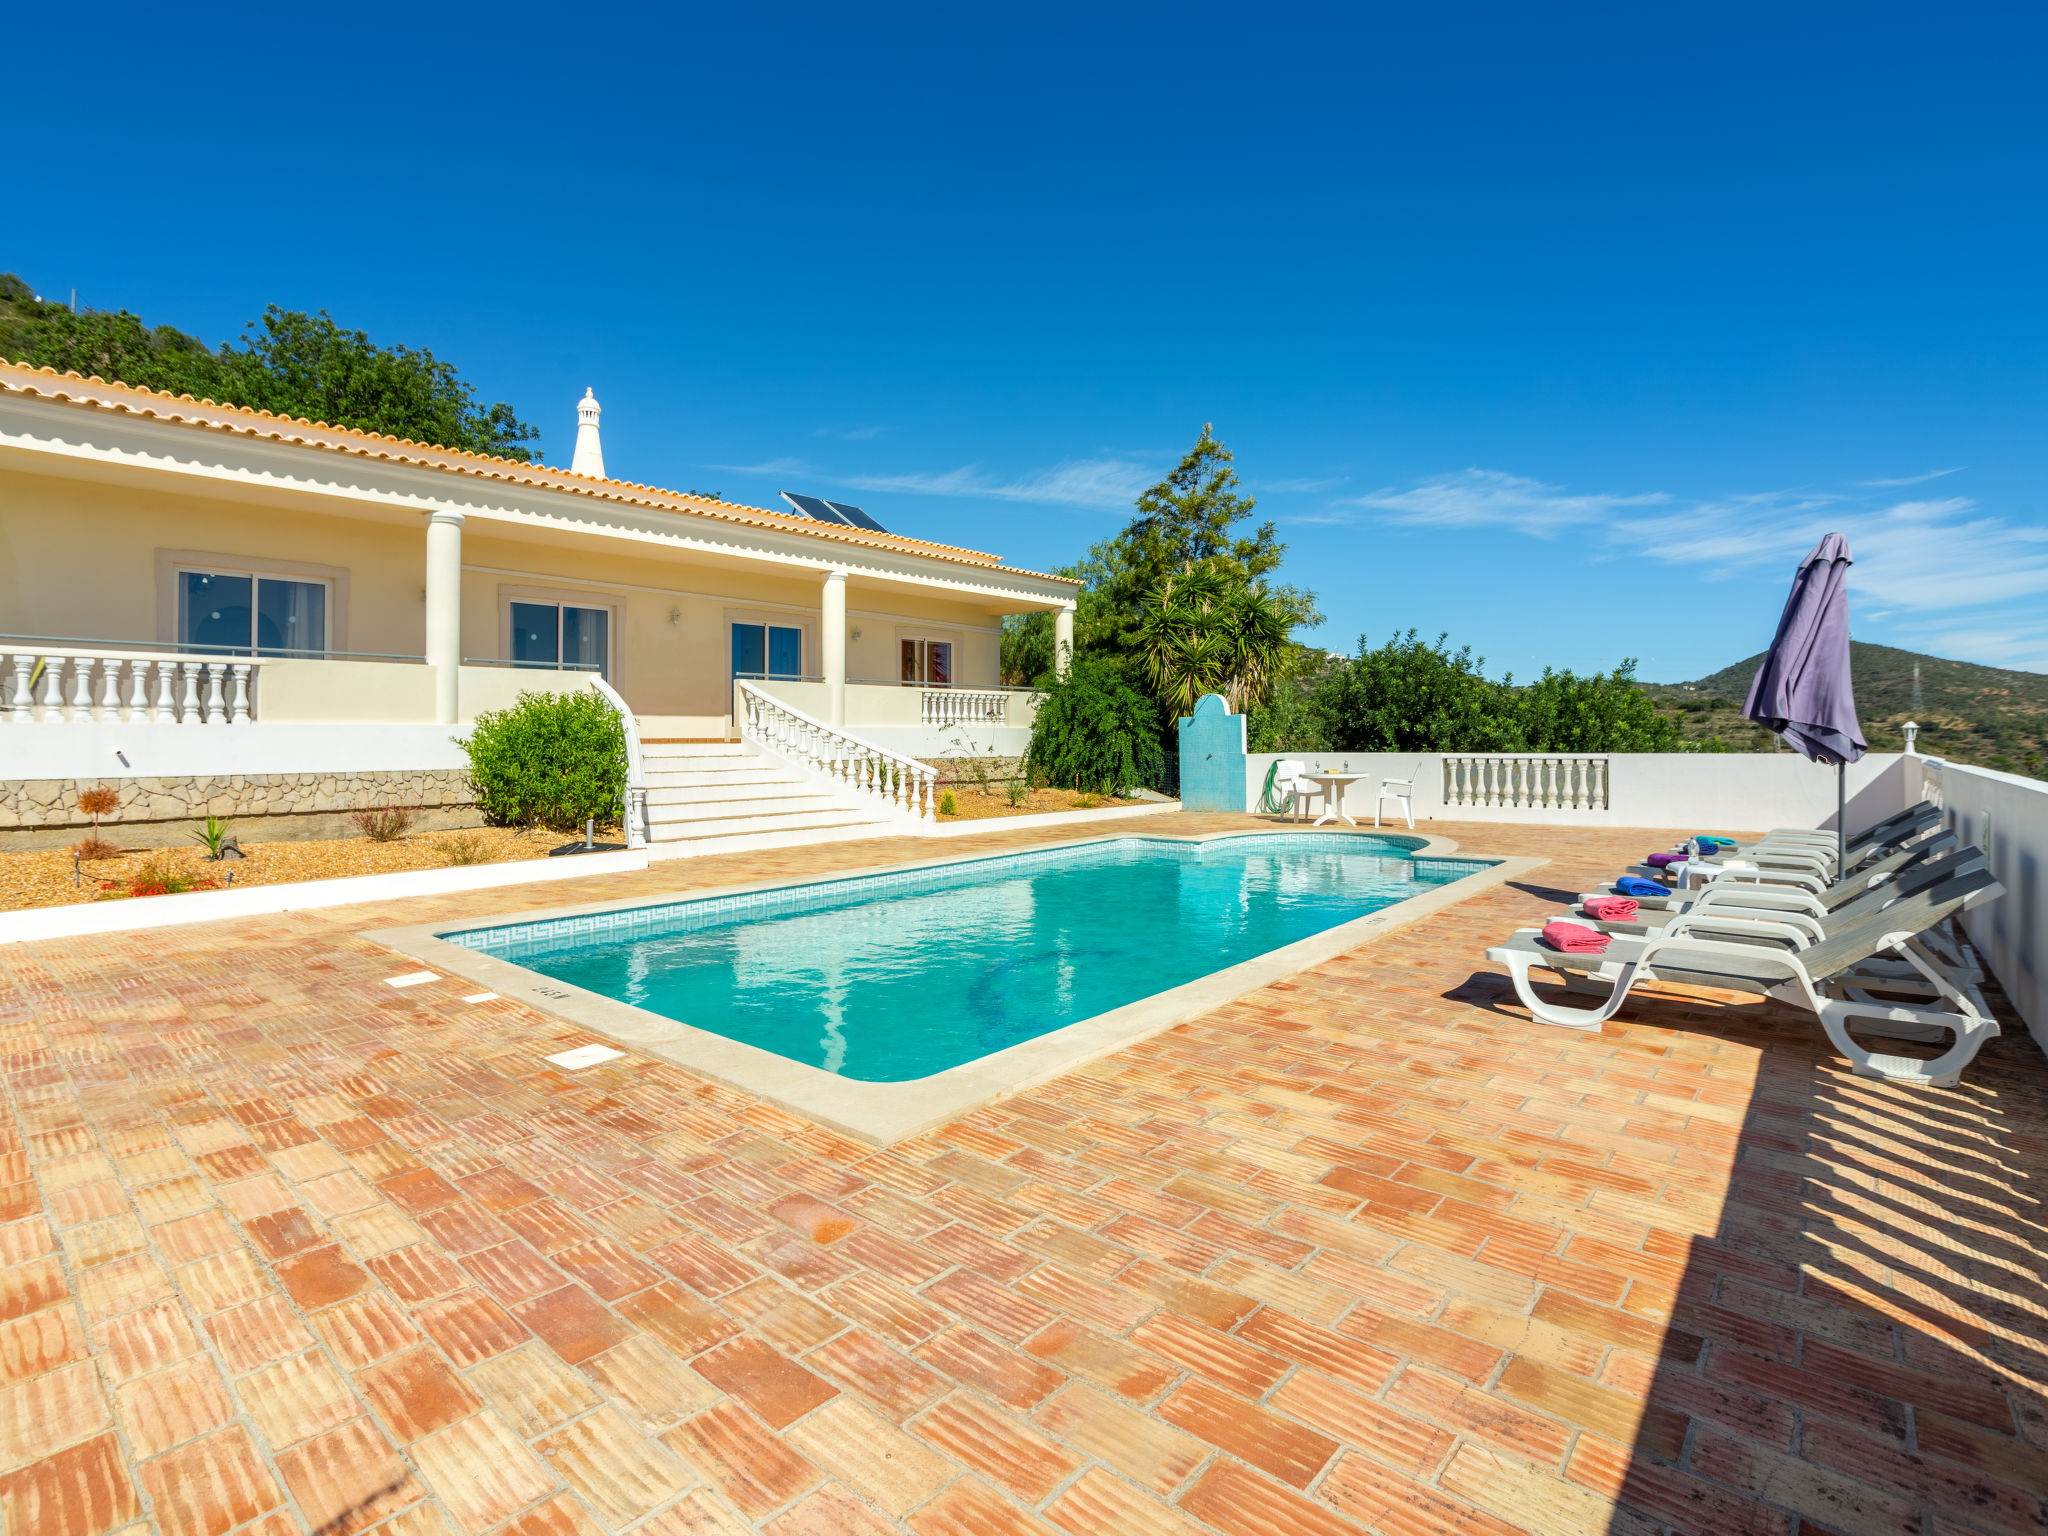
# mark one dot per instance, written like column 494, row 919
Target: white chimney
column 589, row 458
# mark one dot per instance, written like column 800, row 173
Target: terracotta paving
column 283, row 1248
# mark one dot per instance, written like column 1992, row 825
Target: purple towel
column 1665, row 860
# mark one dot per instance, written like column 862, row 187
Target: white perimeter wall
column 95, row 751
column 1685, row 791
column 2006, row 816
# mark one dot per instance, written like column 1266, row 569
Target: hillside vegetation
column 289, row 362
column 1989, row 716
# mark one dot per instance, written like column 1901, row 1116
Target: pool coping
column 881, row 1114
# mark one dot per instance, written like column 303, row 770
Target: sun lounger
column 1895, row 826
column 1823, row 978
column 1893, row 864
column 1814, row 868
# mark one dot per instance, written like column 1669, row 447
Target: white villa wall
column 1699, row 791
column 92, row 561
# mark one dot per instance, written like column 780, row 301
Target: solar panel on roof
column 813, row 507
column 855, row 516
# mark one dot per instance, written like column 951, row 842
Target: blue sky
column 1565, row 329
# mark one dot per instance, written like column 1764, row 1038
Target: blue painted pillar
column 1212, row 757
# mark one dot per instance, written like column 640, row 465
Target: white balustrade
column 908, row 787
column 965, row 706
column 1550, row 781
column 68, row 685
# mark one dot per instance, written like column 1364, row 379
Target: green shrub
column 948, row 806
column 1095, row 732
column 552, row 759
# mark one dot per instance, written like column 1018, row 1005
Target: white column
column 1062, row 640
column 444, row 612
column 832, row 645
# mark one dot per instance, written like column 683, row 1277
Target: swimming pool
column 892, row 977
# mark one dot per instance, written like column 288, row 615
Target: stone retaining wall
column 43, row 813
column 956, row 771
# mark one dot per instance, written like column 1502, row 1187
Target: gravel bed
column 44, row 877
column 981, row 804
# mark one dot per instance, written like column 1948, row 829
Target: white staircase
column 723, row 796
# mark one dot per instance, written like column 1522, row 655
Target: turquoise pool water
column 891, row 977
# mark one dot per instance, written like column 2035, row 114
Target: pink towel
column 1610, row 909
column 1574, row 938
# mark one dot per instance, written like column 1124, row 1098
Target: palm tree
column 1203, row 632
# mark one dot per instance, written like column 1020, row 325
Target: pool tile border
column 691, row 913
column 884, row 1113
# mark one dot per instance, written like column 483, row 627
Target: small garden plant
column 470, row 847
column 97, row 802
column 553, row 760
column 384, row 823
column 163, row 873
column 214, row 834
column 948, row 806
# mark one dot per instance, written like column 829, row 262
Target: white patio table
column 1333, row 787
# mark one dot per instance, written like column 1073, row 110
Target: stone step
column 678, row 778
column 691, row 828
column 747, row 805
column 749, row 842
column 670, row 750
column 692, row 794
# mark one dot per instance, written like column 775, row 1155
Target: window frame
column 767, row 628
column 172, row 565
column 559, row 598
column 255, row 575
column 766, row 617
column 925, row 639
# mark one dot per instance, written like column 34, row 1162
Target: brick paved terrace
column 286, row 1249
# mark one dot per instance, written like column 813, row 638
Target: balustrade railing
column 1549, row 781
column 66, row 686
column 965, row 706
column 903, row 784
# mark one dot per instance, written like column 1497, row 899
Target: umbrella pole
column 1841, row 821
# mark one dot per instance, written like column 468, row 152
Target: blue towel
column 1714, row 842
column 1635, row 885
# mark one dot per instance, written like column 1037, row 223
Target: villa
column 166, row 562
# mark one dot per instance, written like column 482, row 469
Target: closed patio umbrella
column 1803, row 690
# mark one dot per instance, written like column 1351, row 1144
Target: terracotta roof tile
column 97, row 393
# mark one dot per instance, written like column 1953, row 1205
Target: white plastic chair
column 1288, row 778
column 1401, row 791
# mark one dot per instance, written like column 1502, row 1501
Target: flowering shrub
column 161, row 874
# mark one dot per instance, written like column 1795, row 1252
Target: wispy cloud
column 1487, row 498
column 771, row 467
column 1304, row 486
column 1932, row 474
column 1088, row 483
column 1925, row 565
column 852, row 434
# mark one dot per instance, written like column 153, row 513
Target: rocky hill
column 1970, row 713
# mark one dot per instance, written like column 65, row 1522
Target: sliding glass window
column 562, row 635
column 767, row 650
column 251, row 614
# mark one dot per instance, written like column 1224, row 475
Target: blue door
column 785, row 652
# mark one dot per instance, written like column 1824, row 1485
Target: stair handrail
column 907, row 786
column 637, row 828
